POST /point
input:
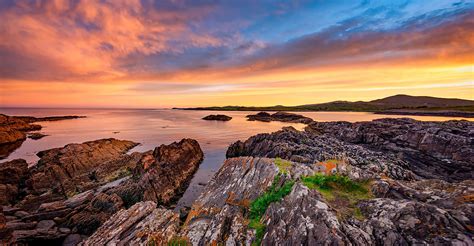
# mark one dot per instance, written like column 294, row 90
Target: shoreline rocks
column 74, row 189
column 217, row 117
column 14, row 129
column 279, row 116
column 440, row 150
column 410, row 196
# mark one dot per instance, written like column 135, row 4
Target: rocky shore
column 342, row 183
column 14, row 130
column 383, row 182
column 72, row 190
column 279, row 116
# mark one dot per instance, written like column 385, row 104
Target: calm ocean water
column 153, row 127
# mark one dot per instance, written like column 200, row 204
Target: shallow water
column 153, row 127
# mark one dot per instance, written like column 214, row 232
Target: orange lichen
column 329, row 165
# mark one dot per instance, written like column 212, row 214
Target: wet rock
column 218, row 117
column 280, row 116
column 36, row 135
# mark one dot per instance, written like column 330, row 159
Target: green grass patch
column 340, row 192
column 283, row 165
column 260, row 205
column 178, row 241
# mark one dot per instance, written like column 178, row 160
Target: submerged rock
column 36, row 135
column 218, row 117
column 280, row 116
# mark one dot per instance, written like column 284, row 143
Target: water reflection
column 152, row 128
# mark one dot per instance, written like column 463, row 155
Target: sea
column 153, row 127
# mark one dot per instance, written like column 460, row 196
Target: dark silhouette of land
column 398, row 104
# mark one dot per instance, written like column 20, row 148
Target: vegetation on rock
column 260, row 205
column 340, row 192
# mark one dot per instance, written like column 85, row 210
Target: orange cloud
column 85, row 38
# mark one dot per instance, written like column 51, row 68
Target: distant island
column 398, row 104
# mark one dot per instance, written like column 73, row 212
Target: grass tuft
column 340, row 192
column 260, row 205
column 283, row 165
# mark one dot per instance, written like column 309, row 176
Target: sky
column 178, row 53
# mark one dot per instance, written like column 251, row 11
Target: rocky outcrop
column 162, row 175
column 422, row 215
column 13, row 130
column 142, row 224
column 279, row 116
column 78, row 167
column 305, row 147
column 12, row 177
column 218, row 117
column 58, row 214
column 441, row 150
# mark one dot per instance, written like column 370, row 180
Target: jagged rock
column 141, row 224
column 78, row 167
column 304, row 218
column 404, row 212
column 280, row 116
column 218, row 117
column 306, row 147
column 12, row 175
column 162, row 176
column 441, row 150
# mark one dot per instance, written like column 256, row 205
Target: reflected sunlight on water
column 153, row 127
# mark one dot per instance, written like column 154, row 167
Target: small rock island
column 280, row 116
column 218, row 117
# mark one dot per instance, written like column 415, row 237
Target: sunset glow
column 124, row 53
